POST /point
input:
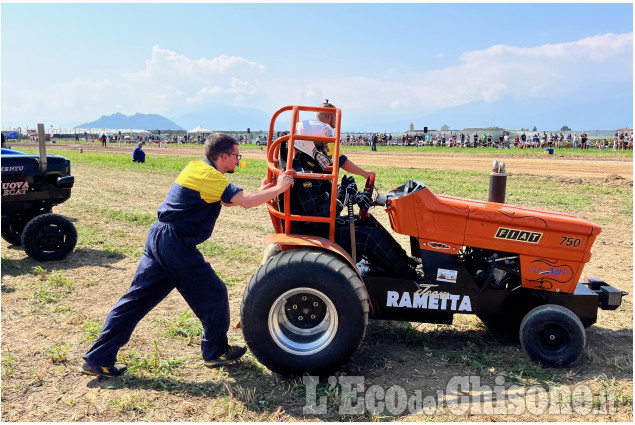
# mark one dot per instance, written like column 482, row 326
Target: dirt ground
column 42, row 343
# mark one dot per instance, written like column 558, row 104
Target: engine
column 491, row 269
column 547, row 248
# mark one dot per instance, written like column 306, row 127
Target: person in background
column 575, row 140
column 138, row 155
column 622, row 144
column 616, row 139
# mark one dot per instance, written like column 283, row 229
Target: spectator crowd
column 621, row 141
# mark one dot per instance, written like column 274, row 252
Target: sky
column 510, row 65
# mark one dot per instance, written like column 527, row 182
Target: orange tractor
column 307, row 307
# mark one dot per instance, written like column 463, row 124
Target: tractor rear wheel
column 304, row 311
column 552, row 335
column 49, row 237
column 12, row 229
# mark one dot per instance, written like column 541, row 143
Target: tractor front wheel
column 552, row 336
column 13, row 226
column 49, row 237
column 304, row 311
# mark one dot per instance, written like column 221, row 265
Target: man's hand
column 267, row 192
column 364, row 200
column 346, row 189
column 285, row 180
column 264, row 185
column 351, row 167
column 366, row 174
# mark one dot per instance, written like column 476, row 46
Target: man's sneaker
column 234, row 353
column 108, row 372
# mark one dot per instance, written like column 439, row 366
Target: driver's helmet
column 314, row 150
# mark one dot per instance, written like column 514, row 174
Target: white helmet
column 309, row 147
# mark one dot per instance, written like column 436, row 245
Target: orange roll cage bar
column 273, row 152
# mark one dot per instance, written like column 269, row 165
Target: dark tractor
column 31, row 185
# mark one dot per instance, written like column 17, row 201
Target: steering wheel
column 368, row 191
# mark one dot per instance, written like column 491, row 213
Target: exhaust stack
column 41, row 137
column 497, row 183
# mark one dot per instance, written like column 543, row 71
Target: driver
column 312, row 197
column 323, row 126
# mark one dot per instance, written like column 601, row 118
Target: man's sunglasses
column 238, row 156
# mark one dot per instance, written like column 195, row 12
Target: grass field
column 567, row 152
column 51, row 312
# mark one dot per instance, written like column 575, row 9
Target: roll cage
column 282, row 217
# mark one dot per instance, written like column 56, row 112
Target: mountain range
column 223, row 117
column 217, row 117
column 136, row 121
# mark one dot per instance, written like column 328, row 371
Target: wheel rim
column 303, row 321
column 50, row 238
column 555, row 339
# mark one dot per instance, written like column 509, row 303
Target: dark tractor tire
column 552, row 336
column 304, row 311
column 12, row 229
column 270, row 251
column 49, row 237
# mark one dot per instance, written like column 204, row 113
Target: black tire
column 12, row 229
column 552, row 336
column 49, row 237
column 325, row 289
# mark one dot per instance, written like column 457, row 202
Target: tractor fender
column 288, row 242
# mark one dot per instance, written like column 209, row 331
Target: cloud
column 173, row 82
column 551, row 71
column 168, row 80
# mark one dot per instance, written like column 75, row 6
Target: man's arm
column 351, row 167
column 267, row 192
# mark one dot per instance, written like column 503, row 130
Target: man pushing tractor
column 331, row 269
column 171, row 260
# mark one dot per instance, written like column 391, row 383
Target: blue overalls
column 138, row 155
column 170, row 260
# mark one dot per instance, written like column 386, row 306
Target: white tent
column 199, row 130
